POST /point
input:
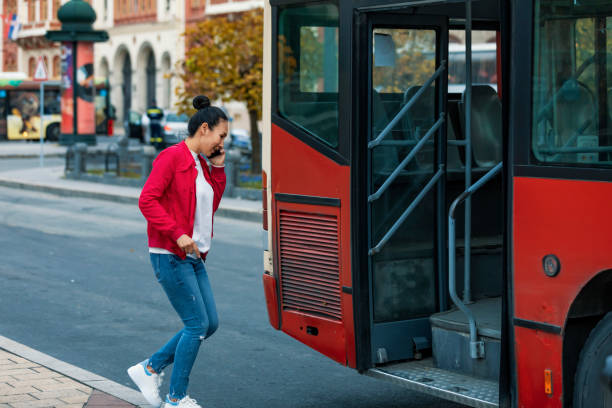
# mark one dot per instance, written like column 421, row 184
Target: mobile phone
column 216, row 153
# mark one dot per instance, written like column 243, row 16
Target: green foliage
column 224, row 60
column 415, row 60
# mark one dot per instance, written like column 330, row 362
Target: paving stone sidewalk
column 24, row 384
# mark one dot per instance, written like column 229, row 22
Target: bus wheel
column 53, row 132
column 589, row 390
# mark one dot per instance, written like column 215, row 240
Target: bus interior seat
column 453, row 125
column 486, row 125
column 574, row 107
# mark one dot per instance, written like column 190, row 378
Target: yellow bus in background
column 20, row 109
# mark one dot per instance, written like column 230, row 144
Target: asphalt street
column 76, row 283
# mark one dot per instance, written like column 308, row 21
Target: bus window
column 484, row 59
column 572, row 83
column 2, row 103
column 52, row 102
column 308, row 69
column 403, row 60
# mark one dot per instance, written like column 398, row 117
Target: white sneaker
column 186, row 402
column 147, row 382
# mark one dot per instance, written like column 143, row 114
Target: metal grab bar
column 553, row 150
column 408, row 210
column 456, row 142
column 476, row 347
column 407, row 159
column 406, row 107
column 400, row 143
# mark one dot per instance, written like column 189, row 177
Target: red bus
column 433, row 221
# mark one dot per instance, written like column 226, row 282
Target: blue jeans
column 186, row 285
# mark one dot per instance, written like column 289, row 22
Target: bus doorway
column 406, row 61
column 421, row 161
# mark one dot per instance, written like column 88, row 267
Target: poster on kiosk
column 67, row 91
column 78, row 85
column 85, row 89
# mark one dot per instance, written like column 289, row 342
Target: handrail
column 411, row 102
column 400, row 143
column 476, row 347
column 407, row 159
column 558, row 150
column 408, row 210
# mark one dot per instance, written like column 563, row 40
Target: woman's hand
column 187, row 245
column 218, row 158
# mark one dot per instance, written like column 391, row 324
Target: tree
column 224, row 60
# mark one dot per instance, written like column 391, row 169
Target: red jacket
column 168, row 200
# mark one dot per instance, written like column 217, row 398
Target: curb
column 226, row 212
column 83, row 376
column 67, row 192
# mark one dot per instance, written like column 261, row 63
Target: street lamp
column 78, row 91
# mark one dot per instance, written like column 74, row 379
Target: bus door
column 407, row 79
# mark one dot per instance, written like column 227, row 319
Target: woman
column 179, row 200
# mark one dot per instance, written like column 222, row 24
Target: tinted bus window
column 3, row 94
column 572, row 81
column 308, row 69
column 484, row 59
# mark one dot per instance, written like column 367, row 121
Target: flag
column 5, row 25
column 14, row 28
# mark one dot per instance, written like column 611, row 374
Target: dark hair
column 206, row 113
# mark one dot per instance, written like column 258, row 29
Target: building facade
column 139, row 60
column 36, row 17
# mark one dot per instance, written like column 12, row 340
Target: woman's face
column 211, row 140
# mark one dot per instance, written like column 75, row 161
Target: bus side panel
column 299, row 169
column 569, row 219
column 537, row 351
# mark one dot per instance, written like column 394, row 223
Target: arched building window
column 56, row 67
column 31, row 66
column 43, row 10
column 31, row 11
column 56, row 6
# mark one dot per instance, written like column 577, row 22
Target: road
column 76, row 283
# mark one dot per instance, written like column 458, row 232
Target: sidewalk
column 30, row 379
column 51, row 180
column 23, row 150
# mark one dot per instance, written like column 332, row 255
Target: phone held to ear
column 216, row 153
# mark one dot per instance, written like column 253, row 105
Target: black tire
column 589, row 390
column 53, row 132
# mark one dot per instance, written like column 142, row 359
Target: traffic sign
column 41, row 70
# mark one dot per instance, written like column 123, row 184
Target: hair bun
column 201, row 102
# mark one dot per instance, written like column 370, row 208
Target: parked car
column 174, row 128
column 241, row 140
column 133, row 126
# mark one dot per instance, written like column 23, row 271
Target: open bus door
column 426, row 146
column 406, row 73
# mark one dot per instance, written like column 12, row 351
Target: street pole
column 40, row 133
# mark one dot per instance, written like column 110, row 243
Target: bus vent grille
column 309, row 263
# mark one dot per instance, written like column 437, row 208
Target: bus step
column 423, row 376
column 451, row 344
